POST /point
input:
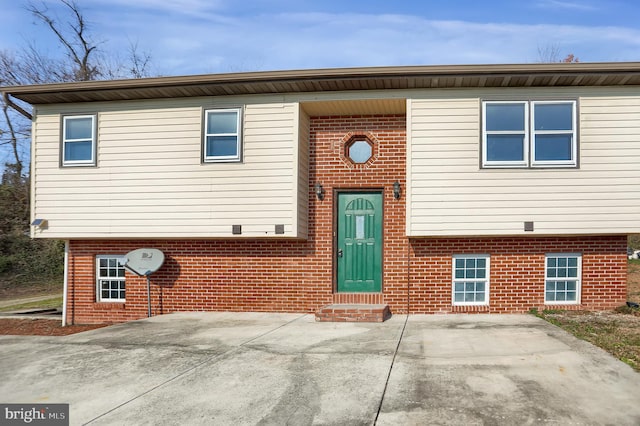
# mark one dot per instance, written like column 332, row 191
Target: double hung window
column 529, row 134
column 79, row 140
column 222, row 135
column 110, row 276
column 471, row 280
column 562, row 278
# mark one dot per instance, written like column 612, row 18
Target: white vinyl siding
column 150, row 180
column 303, row 173
column 450, row 194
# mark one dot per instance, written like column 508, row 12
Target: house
column 423, row 189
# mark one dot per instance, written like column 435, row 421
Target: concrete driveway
column 278, row 369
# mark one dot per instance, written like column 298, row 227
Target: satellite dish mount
column 144, row 262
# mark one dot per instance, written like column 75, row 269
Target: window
column 529, row 133
column 562, row 282
column 110, row 278
column 471, row 280
column 79, row 140
column 359, row 151
column 222, row 135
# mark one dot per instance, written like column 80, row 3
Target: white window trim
column 238, row 134
column 529, row 137
column 99, row 298
column 573, row 133
column 486, row 279
column 578, row 279
column 525, row 148
column 65, row 141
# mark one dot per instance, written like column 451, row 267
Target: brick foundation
column 280, row 275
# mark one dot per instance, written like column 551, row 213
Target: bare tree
column 83, row 60
column 74, row 37
column 20, row 257
column 550, row 53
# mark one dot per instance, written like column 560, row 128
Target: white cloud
column 561, row 4
column 202, row 37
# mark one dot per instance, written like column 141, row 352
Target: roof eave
column 303, row 80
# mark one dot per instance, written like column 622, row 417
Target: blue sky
column 210, row 36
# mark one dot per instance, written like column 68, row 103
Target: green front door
column 359, row 242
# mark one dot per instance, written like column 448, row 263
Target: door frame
column 334, row 231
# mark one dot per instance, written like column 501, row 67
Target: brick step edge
column 353, row 313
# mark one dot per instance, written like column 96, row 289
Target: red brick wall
column 517, row 272
column 297, row 276
column 267, row 275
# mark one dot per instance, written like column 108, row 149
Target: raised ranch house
column 429, row 189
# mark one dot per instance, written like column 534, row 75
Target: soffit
column 355, row 107
column 338, row 79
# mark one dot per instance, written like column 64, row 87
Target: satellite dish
column 144, row 261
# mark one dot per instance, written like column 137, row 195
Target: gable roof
column 335, row 79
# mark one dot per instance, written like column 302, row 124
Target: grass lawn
column 617, row 332
column 55, row 302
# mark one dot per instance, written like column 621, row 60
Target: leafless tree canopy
column 550, row 53
column 84, row 59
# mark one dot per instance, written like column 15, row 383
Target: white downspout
column 66, row 283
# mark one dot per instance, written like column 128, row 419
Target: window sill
column 561, row 305
column 469, row 308
column 109, row 306
column 529, row 167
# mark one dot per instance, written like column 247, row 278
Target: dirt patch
column 633, row 281
column 41, row 327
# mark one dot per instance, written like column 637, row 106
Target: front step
column 353, row 313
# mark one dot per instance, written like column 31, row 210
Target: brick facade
column 298, row 276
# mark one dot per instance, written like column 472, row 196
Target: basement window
column 562, row 282
column 110, row 277
column 470, row 280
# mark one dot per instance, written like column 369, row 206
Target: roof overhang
column 336, row 79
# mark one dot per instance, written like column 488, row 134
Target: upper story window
column 222, row 138
column 79, row 140
column 529, row 134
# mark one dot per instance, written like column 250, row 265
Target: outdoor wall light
column 396, row 190
column 39, row 223
column 319, row 191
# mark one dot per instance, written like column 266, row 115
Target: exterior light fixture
column 39, row 223
column 319, row 191
column 396, row 190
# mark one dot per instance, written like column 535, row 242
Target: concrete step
column 353, row 313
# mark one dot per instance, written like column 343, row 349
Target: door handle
column 340, row 253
